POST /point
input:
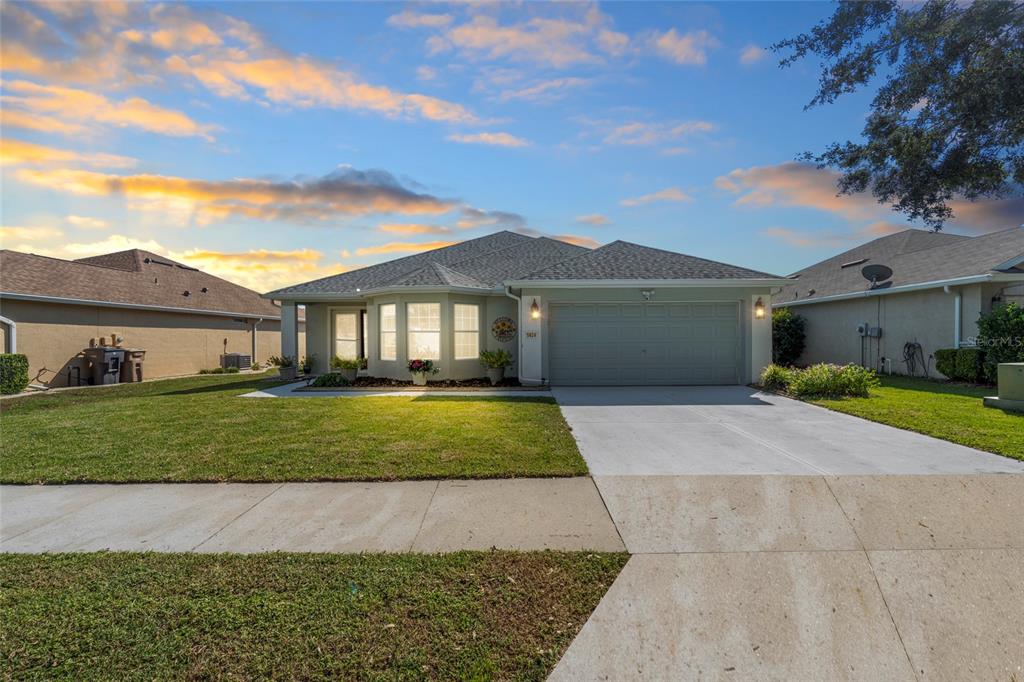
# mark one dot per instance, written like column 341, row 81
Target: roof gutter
column 379, row 291
column 633, row 283
column 936, row 284
column 130, row 306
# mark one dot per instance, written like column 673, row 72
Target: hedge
column 961, row 364
column 13, row 373
column 788, row 336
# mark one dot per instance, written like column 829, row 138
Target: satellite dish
column 876, row 273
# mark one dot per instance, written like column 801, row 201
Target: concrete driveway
column 737, row 430
column 772, row 539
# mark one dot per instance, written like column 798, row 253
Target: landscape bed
column 467, row 615
column 197, row 429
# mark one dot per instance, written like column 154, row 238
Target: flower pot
column 419, row 378
column 495, row 374
column 349, row 374
column 288, row 373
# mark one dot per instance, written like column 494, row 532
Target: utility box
column 1010, row 378
column 105, row 364
column 131, row 368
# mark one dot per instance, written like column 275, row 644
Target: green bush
column 788, row 336
column 776, row 377
column 1001, row 337
column 330, row 380
column 496, row 359
column 821, row 381
column 968, row 364
column 345, row 363
column 231, row 370
column 945, row 361
column 13, row 373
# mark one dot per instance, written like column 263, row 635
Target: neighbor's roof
column 915, row 256
column 486, row 263
column 133, row 277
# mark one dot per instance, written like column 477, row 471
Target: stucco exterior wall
column 756, row 334
column 53, row 335
column 925, row 316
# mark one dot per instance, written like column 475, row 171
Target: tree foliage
column 947, row 120
column 788, row 336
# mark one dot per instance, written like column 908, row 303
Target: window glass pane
column 424, row 317
column 467, row 345
column 467, row 318
column 388, row 346
column 387, row 318
column 425, row 345
column 345, row 349
column 345, row 325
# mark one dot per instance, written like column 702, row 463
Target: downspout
column 519, row 336
column 957, row 314
column 12, row 334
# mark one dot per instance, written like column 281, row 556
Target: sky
column 274, row 143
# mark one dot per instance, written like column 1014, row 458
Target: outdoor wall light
column 759, row 309
column 534, row 310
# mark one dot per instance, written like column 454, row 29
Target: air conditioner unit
column 236, row 360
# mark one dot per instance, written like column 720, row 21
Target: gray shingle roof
column 624, row 260
column 915, row 256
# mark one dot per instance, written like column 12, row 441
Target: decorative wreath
column 504, row 329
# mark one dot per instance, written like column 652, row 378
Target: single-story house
column 618, row 314
column 891, row 303
column 185, row 319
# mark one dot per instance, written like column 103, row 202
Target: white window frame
column 409, row 331
column 474, row 332
column 393, row 333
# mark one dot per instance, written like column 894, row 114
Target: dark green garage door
column 644, row 343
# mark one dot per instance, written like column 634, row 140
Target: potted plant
column 495, row 362
column 346, row 367
column 420, row 369
column 307, row 363
column 286, row 365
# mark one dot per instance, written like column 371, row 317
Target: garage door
column 644, row 343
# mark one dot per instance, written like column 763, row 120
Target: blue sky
column 273, row 143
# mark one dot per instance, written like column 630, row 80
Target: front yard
column 468, row 615
column 196, row 429
column 952, row 412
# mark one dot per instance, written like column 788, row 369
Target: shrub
column 788, row 336
column 231, row 370
column 345, row 363
column 13, row 373
column 217, row 370
column 968, row 364
column 330, row 380
column 496, row 359
column 255, row 367
column 776, row 377
column 1001, row 337
column 945, row 361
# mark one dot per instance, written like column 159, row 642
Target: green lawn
column 951, row 412
column 469, row 615
column 196, row 429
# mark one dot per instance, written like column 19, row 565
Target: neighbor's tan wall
column 53, row 336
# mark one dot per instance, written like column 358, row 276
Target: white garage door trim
column 645, row 343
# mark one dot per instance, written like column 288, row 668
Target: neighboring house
column 940, row 285
column 618, row 314
column 185, row 319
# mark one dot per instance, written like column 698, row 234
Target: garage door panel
column 644, row 343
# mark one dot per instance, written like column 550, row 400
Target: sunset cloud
column 402, row 247
column 641, row 133
column 12, row 118
column 494, row 139
column 11, row 233
column 472, row 218
column 347, row 192
column 87, row 223
column 261, row 269
column 593, row 219
column 545, row 91
column 578, row 240
column 667, row 194
column 689, row 48
column 410, row 19
column 17, row 152
column 412, row 228
column 82, row 106
column 752, row 54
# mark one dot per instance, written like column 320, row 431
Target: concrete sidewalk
column 419, row 516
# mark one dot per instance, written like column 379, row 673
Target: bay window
column 423, row 321
column 467, row 331
column 388, row 332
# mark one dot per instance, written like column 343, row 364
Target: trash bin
column 131, row 369
column 105, row 364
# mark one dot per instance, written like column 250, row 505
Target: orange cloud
column 412, row 228
column 347, row 192
column 17, row 152
column 261, row 269
column 28, row 234
column 667, row 194
column 578, row 240
column 593, row 219
column 690, row 48
column 639, row 133
column 495, row 139
column 402, row 247
column 80, row 105
column 87, row 223
column 545, row 91
column 12, row 118
column 751, row 54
